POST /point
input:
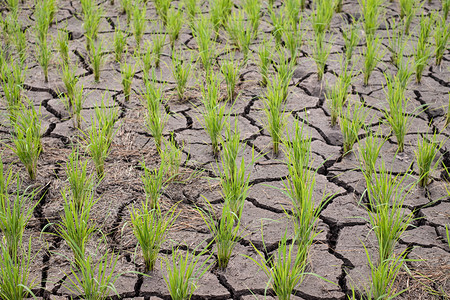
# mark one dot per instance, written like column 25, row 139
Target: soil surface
column 338, row 253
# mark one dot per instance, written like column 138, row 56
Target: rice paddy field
column 224, row 149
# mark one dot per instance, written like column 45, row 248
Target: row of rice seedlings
column 351, row 121
column 26, row 137
column 441, row 38
column 171, row 156
column 99, row 136
column 203, row 33
column 155, row 116
column 181, row 71
column 276, row 117
column 14, row 35
column 293, row 38
column 422, row 51
column 397, row 40
column 214, row 114
column 74, row 103
column 396, row 115
column 278, row 24
column 285, row 70
column 372, row 55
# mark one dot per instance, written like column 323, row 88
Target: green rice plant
column 62, row 44
column 191, row 9
column 52, row 8
column 15, row 212
column 97, row 59
column 285, row 269
column 285, row 69
column 292, row 9
column 426, row 152
column 154, row 183
column 441, row 38
column 127, row 71
column 337, row 97
column 405, row 71
column 150, row 227
column 293, row 38
column 91, row 24
column 174, row 24
column 445, row 8
column 162, row 8
column 20, row 40
column 386, row 193
column 87, row 6
column 93, row 277
column 27, row 138
column 351, row 121
column 397, row 40
column 44, row 55
column 321, row 16
column 351, row 37
column 368, row 152
column 206, row 47
column 225, row 231
column 139, row 22
column 119, row 43
column 422, row 51
column 264, row 61
column 42, row 20
column 81, row 184
column 234, row 173
column 219, row 11
column 155, row 115
column 13, row 6
column 70, row 80
column 253, row 10
column 184, row 272
column 396, row 115
column 76, row 105
column 372, row 13
column 12, row 76
column 100, row 134
column 321, row 51
column 171, row 157
column 126, row 7
column 372, row 55
column 239, row 32
column 158, row 44
column 338, row 6
column 214, row 117
column 276, row 117
column 278, row 20
column 76, row 228
column 15, row 270
column 230, row 70
column 181, row 70
column 146, row 60
column 408, row 9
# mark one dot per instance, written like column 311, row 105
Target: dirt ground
column 337, row 255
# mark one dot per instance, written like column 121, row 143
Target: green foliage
column 119, row 43
column 139, row 22
column 426, row 152
column 264, row 61
column 97, row 59
column 321, row 16
column 351, row 121
column 62, row 43
column 441, row 38
column 158, row 44
column 171, row 157
column 191, row 10
column 181, row 70
column 408, row 9
column 162, row 7
column 12, row 75
column 206, row 47
column 253, row 10
column 372, row 55
column 368, row 151
column 372, row 13
column 230, row 69
column 239, row 32
column 174, row 24
column 321, row 51
column 423, row 50
column 154, row 183
column 44, row 55
column 127, row 71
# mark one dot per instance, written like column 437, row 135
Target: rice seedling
column 371, row 56
column 230, row 70
column 75, row 105
column 219, row 11
column 386, row 193
column 396, row 115
column 70, row 80
column 285, row 69
column 181, row 70
column 274, row 111
column 27, row 138
column 422, row 51
column 278, row 25
column 119, row 43
column 234, row 173
column 206, row 47
column 126, row 7
column 154, row 183
column 62, row 43
column 264, row 61
column 127, row 71
column 368, row 152
column 441, row 38
column 44, row 55
column 191, row 10
column 225, row 231
column 292, row 9
column 13, row 6
column 52, row 8
column 97, row 59
column 162, row 8
column 426, row 152
column 321, row 16
column 155, row 116
column 184, row 270
column 146, row 59
column 15, row 270
column 174, row 24
column 15, row 212
column 338, row 94
column 321, row 51
column 171, row 157
column 87, row 6
column 351, row 121
column 371, row 11
column 99, row 136
column 351, row 39
column 214, row 118
column 445, row 8
column 93, row 277
column 19, row 39
column 408, row 9
column 285, row 269
column 292, row 38
column 150, row 226
column 139, row 22
column 240, row 33
column 81, row 184
column 405, row 72
column 253, row 10
column 42, row 17
column 12, row 76
column 338, row 6
column 158, row 44
column 91, row 25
